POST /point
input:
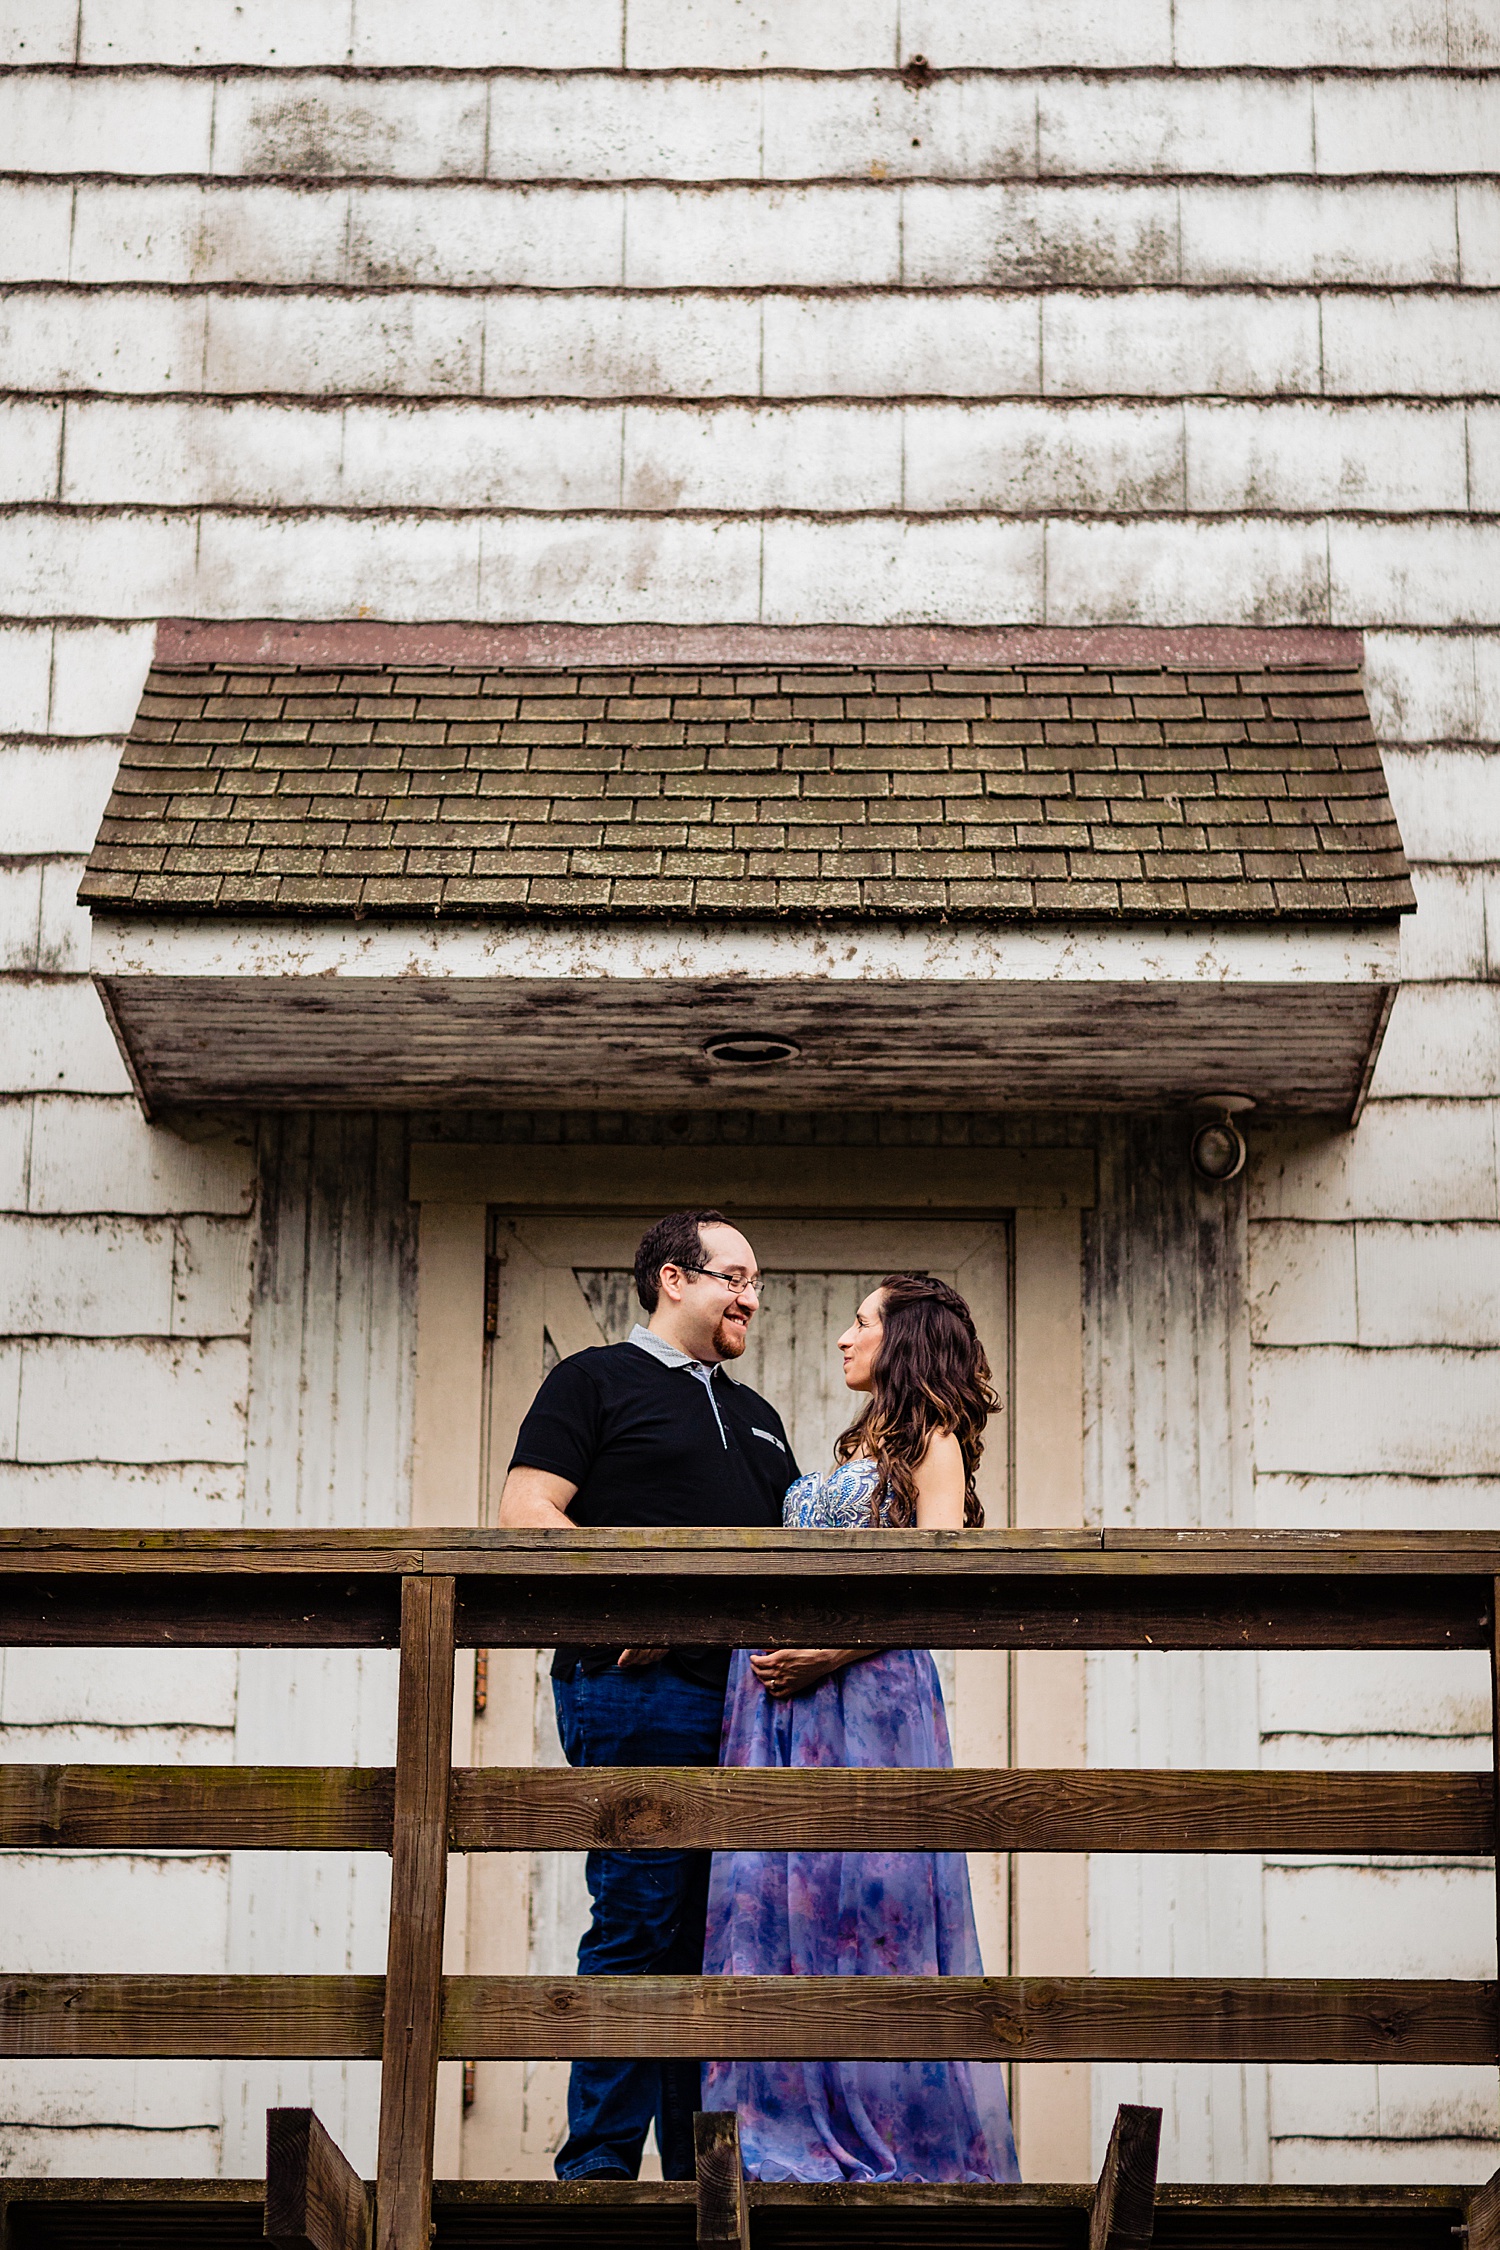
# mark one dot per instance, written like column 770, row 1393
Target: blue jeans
column 649, row 1913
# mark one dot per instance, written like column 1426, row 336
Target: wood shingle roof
column 1040, row 793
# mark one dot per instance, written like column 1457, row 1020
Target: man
column 651, row 1431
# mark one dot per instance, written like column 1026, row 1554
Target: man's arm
column 535, row 1498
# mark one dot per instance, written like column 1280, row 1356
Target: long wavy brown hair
column 930, row 1374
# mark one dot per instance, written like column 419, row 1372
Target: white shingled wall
column 694, row 311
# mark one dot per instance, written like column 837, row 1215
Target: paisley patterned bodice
column 837, row 1499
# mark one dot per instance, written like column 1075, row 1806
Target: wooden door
column 565, row 1284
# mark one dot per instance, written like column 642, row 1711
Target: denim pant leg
column 648, row 1918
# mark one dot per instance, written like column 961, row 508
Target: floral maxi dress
column 850, row 1914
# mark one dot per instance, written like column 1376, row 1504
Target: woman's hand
column 792, row 1671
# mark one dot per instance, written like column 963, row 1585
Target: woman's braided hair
column 930, row 1374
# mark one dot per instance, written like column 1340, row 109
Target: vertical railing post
column 414, row 1957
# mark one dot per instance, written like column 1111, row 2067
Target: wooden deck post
column 315, row 2200
column 723, row 2206
column 414, row 1958
column 1124, row 2207
column 1482, row 2216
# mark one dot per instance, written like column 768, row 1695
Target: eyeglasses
column 742, row 1285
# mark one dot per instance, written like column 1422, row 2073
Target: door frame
column 1043, row 1192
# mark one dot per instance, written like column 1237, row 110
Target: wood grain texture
column 315, row 2200
column 1124, row 2207
column 997, row 2018
column 970, row 1590
column 1483, row 2216
column 115, row 2214
column 419, row 1875
column 308, row 2017
column 967, row 1809
column 1002, row 2019
column 723, row 2209
column 196, row 1808
column 511, row 1809
column 406, row 1043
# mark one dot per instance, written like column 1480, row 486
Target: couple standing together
column 654, row 1432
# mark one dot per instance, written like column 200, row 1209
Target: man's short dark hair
column 676, row 1240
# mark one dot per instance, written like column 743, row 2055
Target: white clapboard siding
column 126, row 1688
column 1442, row 1039
column 108, row 1276
column 1418, row 1159
column 158, row 1495
column 1438, row 1694
column 1331, row 1410
column 55, row 1038
column 95, row 1915
column 1447, row 802
column 77, row 2091
column 86, row 1276
column 62, row 1153
column 883, row 234
column 41, row 2151
column 1151, row 342
column 30, row 437
column 1378, row 1503
column 1290, row 34
column 1013, row 457
column 1377, row 1753
column 25, row 664
column 53, row 794
column 42, row 925
column 958, row 569
column 1311, row 2101
column 1455, row 932
column 1374, row 1284
column 1426, row 686
column 149, row 1400
column 1419, row 1921
column 821, row 34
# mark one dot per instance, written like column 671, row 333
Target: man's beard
column 729, row 1342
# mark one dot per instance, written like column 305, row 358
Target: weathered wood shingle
column 813, row 792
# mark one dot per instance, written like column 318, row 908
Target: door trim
column 811, row 1182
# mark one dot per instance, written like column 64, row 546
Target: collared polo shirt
column 647, row 1442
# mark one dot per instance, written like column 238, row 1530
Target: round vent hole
column 750, row 1050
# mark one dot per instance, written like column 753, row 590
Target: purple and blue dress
column 837, row 1914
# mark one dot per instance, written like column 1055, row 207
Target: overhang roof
column 1028, row 876
column 1041, row 793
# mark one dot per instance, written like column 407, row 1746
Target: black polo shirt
column 641, row 1442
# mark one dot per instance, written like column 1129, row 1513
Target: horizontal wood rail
column 1004, row 2019
column 146, row 2214
column 1000, row 1589
column 513, row 1809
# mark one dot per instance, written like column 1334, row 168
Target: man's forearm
column 534, row 1499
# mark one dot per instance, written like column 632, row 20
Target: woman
column 908, row 1460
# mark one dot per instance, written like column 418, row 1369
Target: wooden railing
column 431, row 1595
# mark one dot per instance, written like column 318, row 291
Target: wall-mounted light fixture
column 1218, row 1150
column 750, row 1050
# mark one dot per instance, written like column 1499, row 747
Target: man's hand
column 629, row 1658
column 792, row 1671
column 534, row 1499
